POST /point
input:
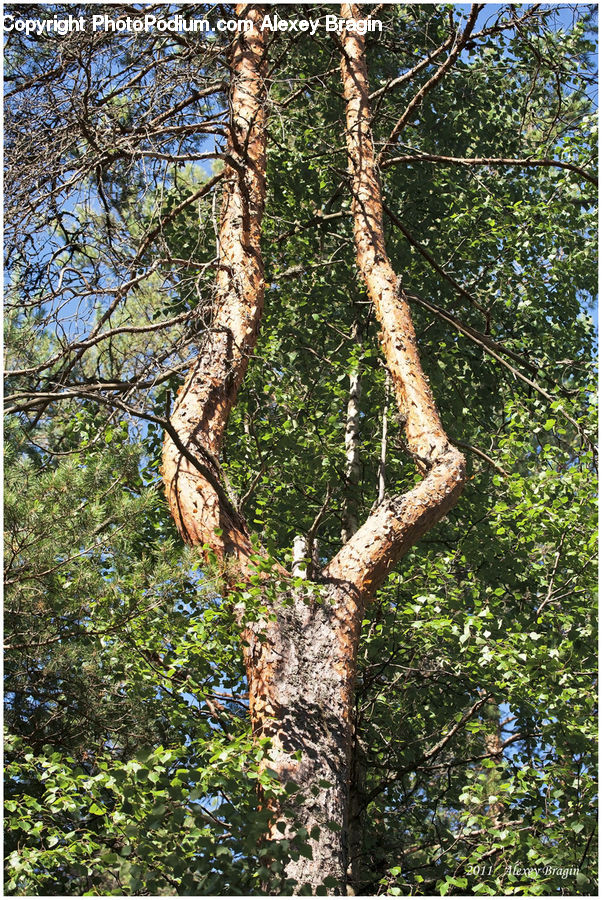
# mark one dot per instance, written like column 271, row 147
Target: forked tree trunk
column 301, row 666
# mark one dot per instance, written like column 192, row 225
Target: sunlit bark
column 301, row 662
column 398, row 523
column 204, row 403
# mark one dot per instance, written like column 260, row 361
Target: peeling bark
column 398, row 523
column 301, row 662
column 204, row 402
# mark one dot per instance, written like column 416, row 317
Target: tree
column 404, row 721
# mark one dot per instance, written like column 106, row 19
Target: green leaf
column 96, row 810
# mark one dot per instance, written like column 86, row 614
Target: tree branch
column 489, row 161
column 416, row 101
column 396, row 525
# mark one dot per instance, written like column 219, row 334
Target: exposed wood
column 204, row 403
column 301, row 658
column 398, row 523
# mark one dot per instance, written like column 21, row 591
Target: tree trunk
column 301, row 662
column 352, row 455
column 382, row 463
column 495, row 748
column 301, row 692
column 201, row 509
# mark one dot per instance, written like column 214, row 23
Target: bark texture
column 397, row 523
column 301, row 686
column 301, row 661
column 200, row 415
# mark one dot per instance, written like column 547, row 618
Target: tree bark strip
column 204, row 402
column 398, row 523
column 352, row 455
